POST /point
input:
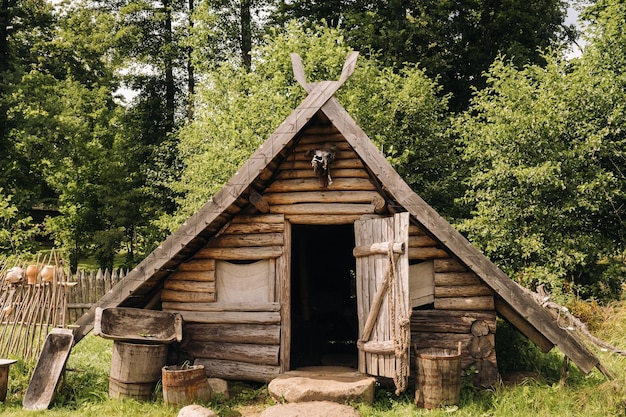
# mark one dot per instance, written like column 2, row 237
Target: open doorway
column 323, row 296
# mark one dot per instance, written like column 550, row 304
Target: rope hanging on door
column 401, row 341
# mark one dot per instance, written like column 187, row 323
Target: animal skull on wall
column 320, row 161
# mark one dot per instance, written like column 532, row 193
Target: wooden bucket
column 185, row 385
column 135, row 369
column 438, row 378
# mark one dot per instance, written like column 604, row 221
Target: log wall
column 296, row 191
column 234, row 340
column 463, row 313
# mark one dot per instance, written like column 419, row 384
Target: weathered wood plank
column 244, row 228
column 197, row 275
column 283, row 295
column 233, row 254
column 220, row 306
column 465, row 303
column 247, row 240
column 415, row 230
column 462, row 291
column 191, row 286
column 420, row 241
column 312, row 184
column 450, row 321
column 321, row 134
column 197, row 265
column 319, row 196
column 426, row 253
column 339, row 164
column 323, row 220
column 288, row 173
column 234, row 333
column 187, row 296
column 301, row 155
column 238, row 371
column 238, row 352
column 449, row 265
column 523, row 326
column 233, row 317
column 456, row 278
column 262, row 218
column 323, row 209
column 378, row 248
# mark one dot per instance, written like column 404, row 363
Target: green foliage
column 16, row 232
column 454, row 40
column 237, row 110
column 545, row 146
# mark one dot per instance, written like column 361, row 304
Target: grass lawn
column 85, row 389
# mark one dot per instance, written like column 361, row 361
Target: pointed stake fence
column 30, row 310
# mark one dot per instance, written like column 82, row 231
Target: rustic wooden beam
column 426, row 253
column 221, row 306
column 421, row 241
column 260, row 334
column 187, row 296
column 246, row 240
column 193, row 265
column 191, row 286
column 456, row 278
column 200, row 276
column 523, row 326
column 312, row 184
column 259, row 202
column 323, row 220
column 232, row 317
column 238, row 352
column 378, row 248
column 253, row 228
column 288, row 173
column 322, row 196
column 245, row 253
column 465, row 303
column 450, row 321
column 327, row 209
column 449, row 265
column 462, row 291
column 238, row 371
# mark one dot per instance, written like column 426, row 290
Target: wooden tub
column 138, row 325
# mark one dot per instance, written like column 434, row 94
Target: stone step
column 323, row 383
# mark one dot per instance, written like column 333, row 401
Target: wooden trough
column 138, row 325
column 50, row 366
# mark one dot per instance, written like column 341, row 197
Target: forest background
column 120, row 118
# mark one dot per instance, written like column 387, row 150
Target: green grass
column 85, row 389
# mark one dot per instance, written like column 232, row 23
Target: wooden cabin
column 287, row 267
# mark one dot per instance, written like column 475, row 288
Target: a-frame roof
column 143, row 282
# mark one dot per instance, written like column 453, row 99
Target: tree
column 15, row 231
column 546, row 150
column 455, row 40
column 238, row 110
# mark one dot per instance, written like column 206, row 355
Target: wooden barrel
column 183, row 385
column 135, row 369
column 438, row 378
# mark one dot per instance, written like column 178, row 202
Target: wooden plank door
column 383, row 305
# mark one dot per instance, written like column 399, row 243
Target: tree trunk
column 170, row 92
column 191, row 82
column 246, row 33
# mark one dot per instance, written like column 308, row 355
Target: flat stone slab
column 195, row 410
column 310, row 409
column 323, row 383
